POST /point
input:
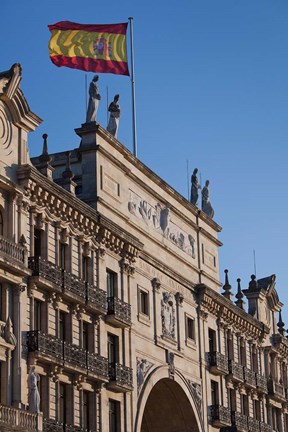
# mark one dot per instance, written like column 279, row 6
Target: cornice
column 229, row 313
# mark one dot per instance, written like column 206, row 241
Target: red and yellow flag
column 90, row 47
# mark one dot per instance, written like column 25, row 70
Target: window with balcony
column 212, row 340
column 111, row 283
column 244, row 403
column 214, row 393
column 86, row 268
column 232, row 399
column 254, row 358
column 63, row 255
column 39, row 315
column 114, row 416
column 257, row 409
column 190, row 329
column 37, row 243
column 63, row 403
column 86, row 412
column 230, row 345
column 242, row 352
column 64, row 331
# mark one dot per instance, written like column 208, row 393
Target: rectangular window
column 242, row 352
column 214, row 393
column 144, row 302
column 63, row 403
column 86, row 410
column 62, row 255
column 113, row 346
column 190, row 326
column 111, row 283
column 85, row 336
column 244, row 404
column 212, row 340
column 114, row 416
column 230, row 345
column 38, row 311
column 232, row 399
column 85, row 268
column 37, row 242
column 63, row 326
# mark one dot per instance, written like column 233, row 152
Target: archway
column 168, row 409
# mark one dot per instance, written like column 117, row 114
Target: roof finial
column 281, row 324
column 240, row 302
column 253, row 283
column 45, row 160
column 227, row 287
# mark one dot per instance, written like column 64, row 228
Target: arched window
column 1, row 223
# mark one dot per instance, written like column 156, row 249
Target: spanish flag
column 90, row 47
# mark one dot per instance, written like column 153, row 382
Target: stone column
column 156, row 284
column 18, row 303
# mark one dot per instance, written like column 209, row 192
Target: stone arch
column 173, row 396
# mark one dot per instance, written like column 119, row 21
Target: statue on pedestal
column 206, row 205
column 195, row 186
column 94, row 98
column 33, row 396
column 114, row 110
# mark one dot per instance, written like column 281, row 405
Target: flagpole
column 133, row 89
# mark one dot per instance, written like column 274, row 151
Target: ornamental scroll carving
column 159, row 218
column 168, row 315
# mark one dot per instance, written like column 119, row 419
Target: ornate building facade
column 112, row 314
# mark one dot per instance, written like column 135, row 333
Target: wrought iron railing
column 261, row 382
column 96, row 297
column 240, row 421
column 74, row 285
column 120, row 309
column 264, row 427
column 17, row 418
column 47, row 270
column 218, row 361
column 236, row 370
column 75, row 355
column 249, row 377
column 50, row 425
column 220, row 414
column 121, row 375
column 45, row 344
column 253, row 425
column 97, row 364
column 13, row 250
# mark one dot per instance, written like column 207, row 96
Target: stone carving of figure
column 206, row 205
column 94, row 98
column 195, row 186
column 168, row 315
column 192, row 244
column 165, row 220
column 114, row 110
column 33, row 396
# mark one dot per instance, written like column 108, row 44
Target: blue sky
column 211, row 89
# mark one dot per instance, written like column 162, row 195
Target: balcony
column 276, row 391
column 120, row 378
column 261, row 383
column 12, row 418
column 265, row 427
column 218, row 363
column 50, row 425
column 97, row 365
column 220, row 416
column 240, row 421
column 249, row 377
column 253, row 425
column 74, row 287
column 46, row 346
column 75, row 356
column 96, row 299
column 13, row 256
column 119, row 312
column 236, row 372
column 47, row 273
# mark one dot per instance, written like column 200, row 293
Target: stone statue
column 206, row 205
column 168, row 315
column 114, row 110
column 94, row 98
column 33, row 396
column 195, row 186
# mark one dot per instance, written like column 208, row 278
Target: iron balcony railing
column 220, row 415
column 47, row 270
column 261, row 382
column 50, row 425
column 218, row 363
column 253, row 425
column 236, row 370
column 71, row 285
column 120, row 309
column 13, row 250
column 240, row 421
column 264, row 427
column 65, row 353
column 249, row 377
column 121, row 375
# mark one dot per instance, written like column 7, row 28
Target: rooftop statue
column 94, row 98
column 206, row 205
column 195, row 186
column 114, row 110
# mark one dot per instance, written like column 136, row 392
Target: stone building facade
column 110, row 289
